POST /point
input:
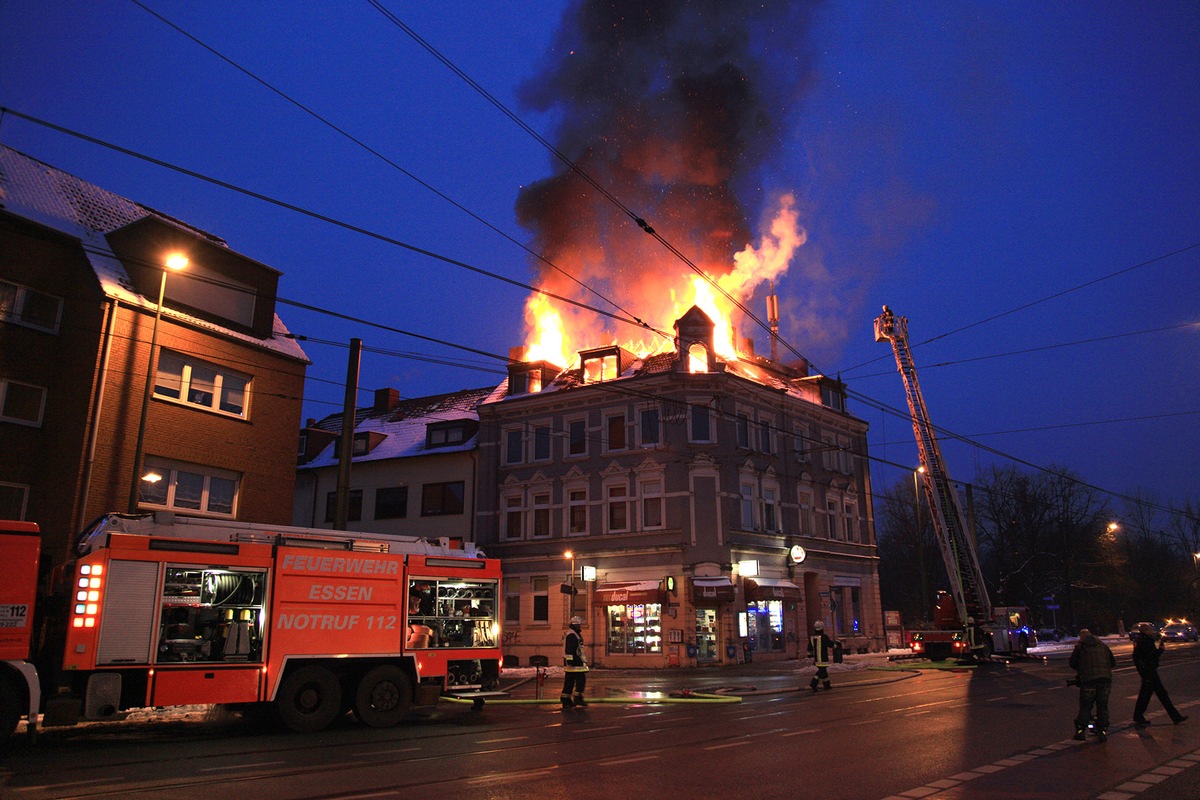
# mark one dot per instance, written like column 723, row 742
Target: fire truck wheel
column 10, row 708
column 309, row 699
column 384, row 696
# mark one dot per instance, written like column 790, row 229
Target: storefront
column 708, row 594
column 770, row 614
column 632, row 618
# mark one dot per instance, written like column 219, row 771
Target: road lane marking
column 502, row 739
column 228, row 767
column 616, row 762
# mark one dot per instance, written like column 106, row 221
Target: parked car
column 1133, row 631
column 1181, row 632
column 1050, row 635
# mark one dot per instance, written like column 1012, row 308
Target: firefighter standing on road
column 575, row 666
column 976, row 643
column 821, row 648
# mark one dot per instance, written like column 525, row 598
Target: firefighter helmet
column 818, row 626
column 576, row 621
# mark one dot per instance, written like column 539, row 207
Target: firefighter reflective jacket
column 573, row 660
column 821, row 647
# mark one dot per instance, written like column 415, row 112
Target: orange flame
column 556, row 339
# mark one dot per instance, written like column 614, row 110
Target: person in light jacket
column 575, row 666
column 1094, row 663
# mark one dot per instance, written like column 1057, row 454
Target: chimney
column 386, row 400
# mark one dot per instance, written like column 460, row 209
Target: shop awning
column 771, row 589
column 712, row 591
column 623, row 592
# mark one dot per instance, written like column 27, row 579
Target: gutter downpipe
column 97, row 407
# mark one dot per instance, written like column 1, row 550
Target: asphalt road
column 991, row 732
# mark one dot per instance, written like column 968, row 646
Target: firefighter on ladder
column 821, row 647
column 575, row 666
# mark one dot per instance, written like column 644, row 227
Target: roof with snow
column 404, row 426
column 60, row 201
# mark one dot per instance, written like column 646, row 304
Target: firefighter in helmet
column 821, row 648
column 976, row 641
column 575, row 666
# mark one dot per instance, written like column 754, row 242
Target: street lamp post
column 176, row 262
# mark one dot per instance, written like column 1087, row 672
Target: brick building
column 719, row 508
column 81, row 271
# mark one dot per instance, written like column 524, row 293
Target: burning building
column 692, row 508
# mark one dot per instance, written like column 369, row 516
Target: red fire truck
column 162, row 610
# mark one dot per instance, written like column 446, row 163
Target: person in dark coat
column 821, row 648
column 1094, row 662
column 1147, row 650
column 575, row 667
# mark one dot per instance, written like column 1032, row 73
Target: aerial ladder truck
column 966, row 605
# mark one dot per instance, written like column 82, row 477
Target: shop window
column 635, row 629
column 442, row 499
column 455, row 612
column 764, row 620
column 211, row 615
column 391, row 502
column 353, row 505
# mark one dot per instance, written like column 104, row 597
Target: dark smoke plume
column 676, row 108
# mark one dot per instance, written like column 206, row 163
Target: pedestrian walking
column 820, row 647
column 575, row 666
column 1093, row 661
column 1147, row 650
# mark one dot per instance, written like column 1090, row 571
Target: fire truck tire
column 309, row 699
column 11, row 702
column 384, row 696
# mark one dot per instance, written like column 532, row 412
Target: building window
column 13, row 497
column 391, row 502
column 577, row 437
column 833, row 398
column 541, row 516
column 764, row 436
column 635, row 629
column 512, row 600
column 29, row 307
column 188, row 487
column 445, row 434
column 577, row 511
column 747, row 493
column 615, row 428
column 806, row 508
column 652, row 504
column 541, row 599
column 764, row 622
column 525, row 382
column 831, row 519
column 743, row 430
column 701, row 425
column 22, row 403
column 848, row 508
column 199, row 384
column 800, row 442
column 618, row 508
column 541, row 443
column 514, row 445
column 353, row 507
column 649, row 427
column 829, row 453
column 600, row 368
column 441, row 499
column 514, row 513
column 770, row 509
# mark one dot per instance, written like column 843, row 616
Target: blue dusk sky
column 1020, row 180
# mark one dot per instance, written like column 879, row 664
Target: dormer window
column 697, row 358
column 361, row 445
column 525, row 382
column 832, row 396
column 600, row 368
column 446, row 434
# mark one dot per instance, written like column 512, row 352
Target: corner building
column 692, row 511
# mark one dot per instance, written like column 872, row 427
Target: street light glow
column 177, row 261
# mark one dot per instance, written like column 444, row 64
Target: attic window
column 831, row 396
column 445, row 434
column 697, row 358
column 525, row 382
column 600, row 368
column 361, row 445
